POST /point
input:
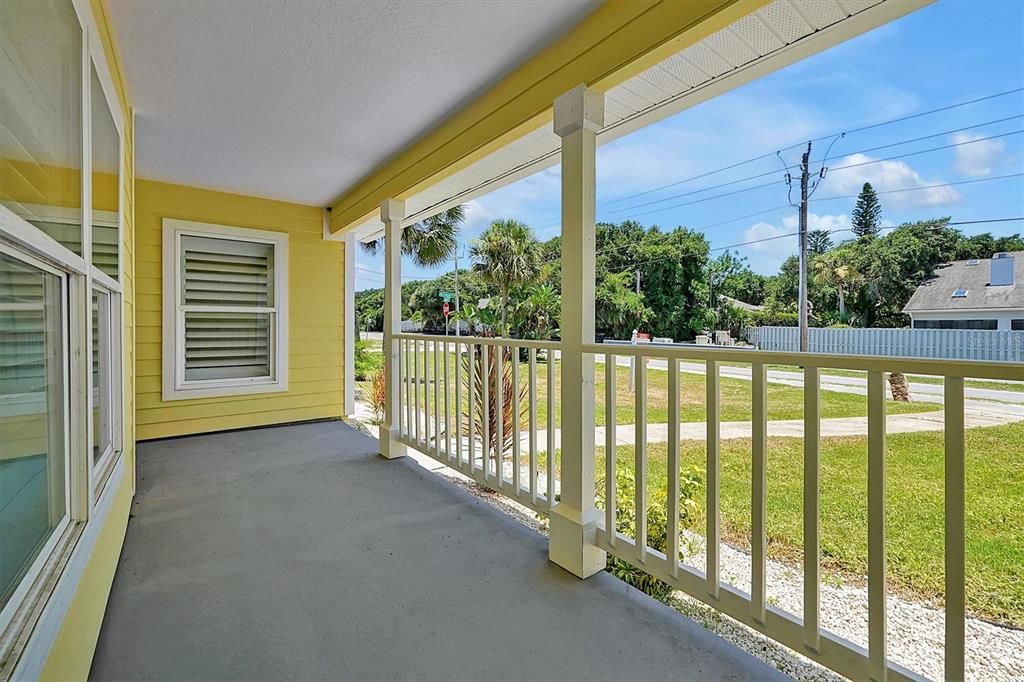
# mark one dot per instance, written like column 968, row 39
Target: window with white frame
column 60, row 302
column 225, row 310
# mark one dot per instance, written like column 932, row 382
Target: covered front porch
column 297, row 552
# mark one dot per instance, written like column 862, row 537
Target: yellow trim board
column 617, row 41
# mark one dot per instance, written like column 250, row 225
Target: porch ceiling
column 297, row 553
column 297, row 100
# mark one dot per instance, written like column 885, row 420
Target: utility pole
column 638, row 281
column 805, row 176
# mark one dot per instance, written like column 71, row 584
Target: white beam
column 350, row 330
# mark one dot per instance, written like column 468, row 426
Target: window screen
column 228, row 301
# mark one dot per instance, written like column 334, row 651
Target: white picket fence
column 948, row 344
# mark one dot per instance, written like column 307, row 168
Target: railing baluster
column 758, row 487
column 499, row 416
column 533, row 424
column 877, row 662
column 812, row 514
column 610, row 449
column 447, row 407
column 953, row 400
column 517, row 430
column 640, row 456
column 551, row 468
column 458, row 402
column 408, row 390
column 712, row 445
column 437, row 402
column 397, row 384
column 416, row 389
column 672, row 551
column 485, row 378
column 471, row 360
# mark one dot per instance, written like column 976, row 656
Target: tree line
column 684, row 289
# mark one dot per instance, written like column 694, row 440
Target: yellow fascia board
column 617, row 41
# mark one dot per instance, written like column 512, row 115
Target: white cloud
column 889, row 175
column 976, row 159
column 773, row 244
column 478, row 216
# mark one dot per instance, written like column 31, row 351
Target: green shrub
column 367, row 362
column 657, row 525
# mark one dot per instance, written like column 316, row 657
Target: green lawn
column 914, row 513
column 784, row 402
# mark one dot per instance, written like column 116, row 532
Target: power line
column 923, row 187
column 824, row 137
column 832, row 198
column 837, row 168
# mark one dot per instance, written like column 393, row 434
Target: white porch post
column 392, row 212
column 350, row 324
column 579, row 114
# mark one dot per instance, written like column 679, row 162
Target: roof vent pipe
column 1002, row 270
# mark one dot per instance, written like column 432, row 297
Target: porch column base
column 572, row 541
column 390, row 446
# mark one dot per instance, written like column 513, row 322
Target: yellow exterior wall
column 315, row 304
column 72, row 652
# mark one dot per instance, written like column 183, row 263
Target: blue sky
column 949, row 52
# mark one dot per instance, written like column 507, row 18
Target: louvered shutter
column 228, row 304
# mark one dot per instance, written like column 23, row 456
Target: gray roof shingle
column 936, row 292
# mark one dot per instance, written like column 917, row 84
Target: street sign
column 445, row 308
column 447, row 296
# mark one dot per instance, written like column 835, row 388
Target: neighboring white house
column 972, row 294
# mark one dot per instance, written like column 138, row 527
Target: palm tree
column 430, row 242
column 538, row 314
column 507, row 255
column 829, row 270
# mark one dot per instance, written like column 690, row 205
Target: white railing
column 947, row 344
column 468, row 403
column 802, row 632
column 451, row 413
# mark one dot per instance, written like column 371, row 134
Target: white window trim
column 18, row 597
column 40, row 602
column 104, row 464
column 173, row 384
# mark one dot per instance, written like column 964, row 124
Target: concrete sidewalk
column 625, row 434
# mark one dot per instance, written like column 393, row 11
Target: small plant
column 657, row 526
column 378, row 397
column 513, row 407
column 367, row 362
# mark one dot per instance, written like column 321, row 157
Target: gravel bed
column 916, row 631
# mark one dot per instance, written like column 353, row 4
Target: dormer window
column 960, row 293
column 973, row 261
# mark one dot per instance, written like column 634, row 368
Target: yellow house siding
column 315, row 320
column 71, row 655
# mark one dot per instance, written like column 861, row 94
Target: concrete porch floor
column 297, row 553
